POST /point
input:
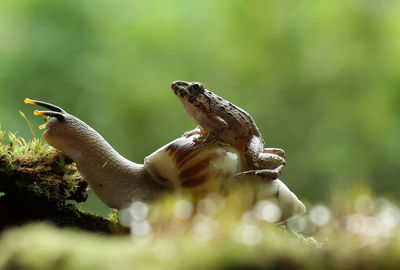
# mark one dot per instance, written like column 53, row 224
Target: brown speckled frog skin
column 223, row 122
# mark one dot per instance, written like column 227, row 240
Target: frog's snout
column 179, row 86
column 183, row 88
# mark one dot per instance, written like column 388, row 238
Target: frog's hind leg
column 275, row 151
column 265, row 174
column 269, row 161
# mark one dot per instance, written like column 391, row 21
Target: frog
column 221, row 122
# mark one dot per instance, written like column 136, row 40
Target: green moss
column 39, row 183
column 37, row 169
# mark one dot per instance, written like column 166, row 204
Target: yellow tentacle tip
column 105, row 164
column 29, row 101
column 36, row 112
column 42, row 126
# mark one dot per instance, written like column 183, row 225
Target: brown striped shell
column 202, row 168
column 186, row 163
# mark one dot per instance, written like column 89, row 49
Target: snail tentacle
column 44, row 104
column 59, row 116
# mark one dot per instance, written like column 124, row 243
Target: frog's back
column 241, row 125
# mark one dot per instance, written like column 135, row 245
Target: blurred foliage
column 321, row 79
column 246, row 247
column 68, row 249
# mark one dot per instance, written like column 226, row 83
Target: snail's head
column 62, row 130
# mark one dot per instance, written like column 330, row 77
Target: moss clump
column 39, row 183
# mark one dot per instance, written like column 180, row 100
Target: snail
column 188, row 163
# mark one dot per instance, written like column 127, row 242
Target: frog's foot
column 269, row 161
column 199, row 140
column 196, row 131
column 265, row 174
column 275, row 151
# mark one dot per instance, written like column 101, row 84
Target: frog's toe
column 265, row 174
column 270, row 161
column 275, row 151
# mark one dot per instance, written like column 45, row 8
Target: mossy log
column 38, row 183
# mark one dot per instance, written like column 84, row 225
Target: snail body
column 183, row 164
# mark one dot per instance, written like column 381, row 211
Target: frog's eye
column 196, row 87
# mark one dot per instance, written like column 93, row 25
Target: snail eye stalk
column 57, row 115
column 49, row 106
column 56, row 111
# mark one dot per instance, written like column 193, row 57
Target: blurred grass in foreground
column 216, row 234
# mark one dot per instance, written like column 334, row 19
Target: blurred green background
column 320, row 78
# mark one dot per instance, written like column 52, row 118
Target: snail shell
column 186, row 163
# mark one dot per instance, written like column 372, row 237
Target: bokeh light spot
column 320, row 215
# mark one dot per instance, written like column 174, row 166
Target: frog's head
column 193, row 96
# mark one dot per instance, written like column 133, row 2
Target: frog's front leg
column 214, row 124
column 264, row 174
column 204, row 136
